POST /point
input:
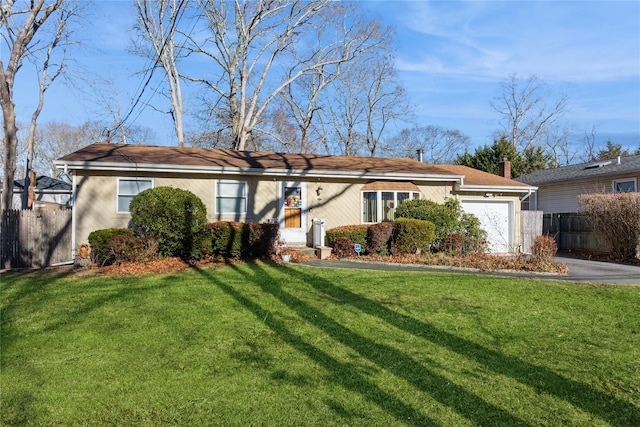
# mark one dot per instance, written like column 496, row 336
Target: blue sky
column 451, row 57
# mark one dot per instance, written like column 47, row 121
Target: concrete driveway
column 580, row 270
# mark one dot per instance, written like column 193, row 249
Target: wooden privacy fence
column 530, row 227
column 35, row 238
column 572, row 232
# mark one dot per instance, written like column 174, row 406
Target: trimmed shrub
column 412, row 236
column 133, row 248
column 265, row 237
column 615, row 218
column 176, row 218
column 237, row 240
column 99, row 240
column 230, row 239
column 379, row 239
column 343, row 247
column 444, row 217
column 545, row 247
column 357, row 234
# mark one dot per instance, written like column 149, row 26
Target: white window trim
column 617, row 181
column 118, row 211
column 379, row 205
column 230, row 181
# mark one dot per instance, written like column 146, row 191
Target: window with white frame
column 380, row 206
column 231, row 197
column 128, row 188
column 625, row 185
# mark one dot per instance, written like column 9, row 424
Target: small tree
column 615, row 218
column 176, row 218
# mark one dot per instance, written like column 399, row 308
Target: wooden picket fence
column 35, row 238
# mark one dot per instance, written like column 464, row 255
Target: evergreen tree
column 488, row 158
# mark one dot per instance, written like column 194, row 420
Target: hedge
column 238, row 240
column 357, row 234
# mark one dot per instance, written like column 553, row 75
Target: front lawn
column 259, row 344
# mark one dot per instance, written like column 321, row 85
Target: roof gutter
column 494, row 188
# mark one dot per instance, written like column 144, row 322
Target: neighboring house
column 558, row 189
column 49, row 192
column 290, row 189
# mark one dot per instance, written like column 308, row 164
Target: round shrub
column 412, row 236
column 343, row 247
column 176, row 218
column 100, row 243
column 379, row 238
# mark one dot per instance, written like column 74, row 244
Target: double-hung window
column 231, row 197
column 128, row 188
column 625, row 185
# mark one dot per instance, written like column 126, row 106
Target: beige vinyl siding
column 96, row 201
column 339, row 202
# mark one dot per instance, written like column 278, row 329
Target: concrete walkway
column 580, row 270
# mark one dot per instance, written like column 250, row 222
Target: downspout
column 73, row 212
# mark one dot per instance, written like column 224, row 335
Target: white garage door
column 496, row 219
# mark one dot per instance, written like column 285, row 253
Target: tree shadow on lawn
column 543, row 380
column 388, row 358
column 19, row 404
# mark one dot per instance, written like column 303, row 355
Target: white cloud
column 578, row 41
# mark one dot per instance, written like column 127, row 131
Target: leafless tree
column 439, row 145
column 258, row 48
column 19, row 26
column 590, row 146
column 366, row 100
column 386, row 100
column 302, row 100
column 158, row 27
column 558, row 142
column 50, row 66
column 347, row 116
column 527, row 108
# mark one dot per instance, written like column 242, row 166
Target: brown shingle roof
column 101, row 155
column 215, row 158
column 476, row 177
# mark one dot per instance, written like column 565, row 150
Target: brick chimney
column 504, row 168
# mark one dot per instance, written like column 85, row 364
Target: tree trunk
column 10, row 144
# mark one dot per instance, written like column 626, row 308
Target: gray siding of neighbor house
column 563, row 197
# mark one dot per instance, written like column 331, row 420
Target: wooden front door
column 292, row 223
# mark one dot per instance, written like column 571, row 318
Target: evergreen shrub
column 356, row 233
column 176, row 218
column 237, row 240
column 412, row 236
column 448, row 218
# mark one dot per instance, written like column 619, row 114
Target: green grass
column 256, row 344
